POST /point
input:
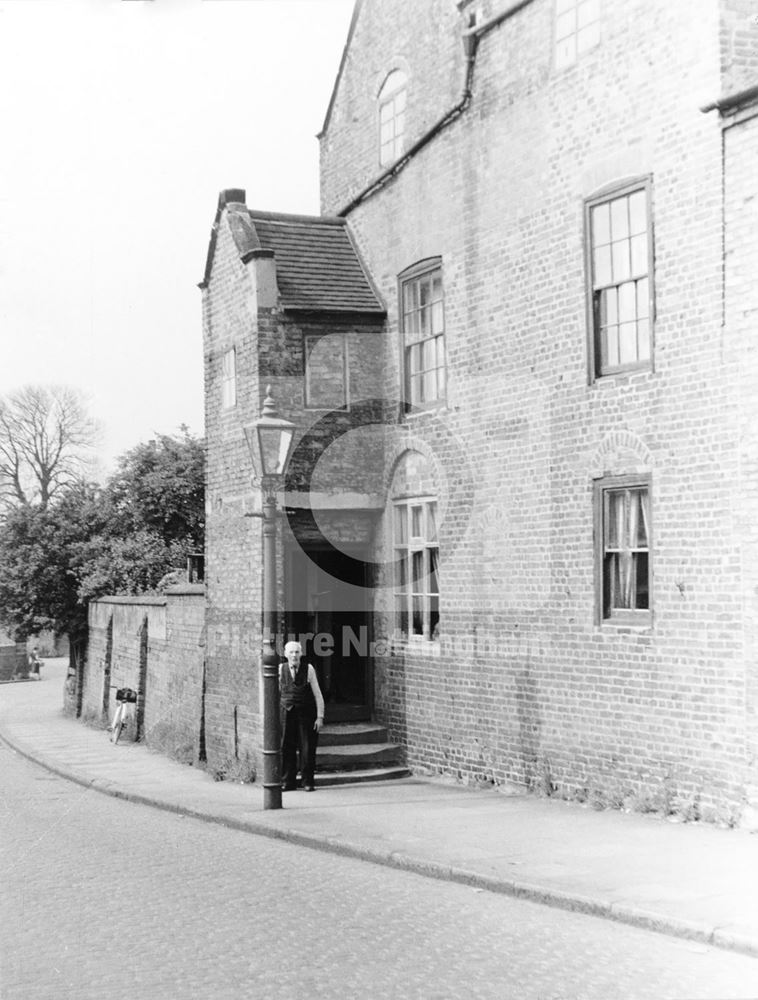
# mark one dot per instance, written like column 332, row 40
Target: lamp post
column 270, row 441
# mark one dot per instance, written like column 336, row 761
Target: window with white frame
column 392, row 104
column 325, row 371
column 416, row 567
column 622, row 511
column 620, row 263
column 229, row 379
column 577, row 29
column 422, row 318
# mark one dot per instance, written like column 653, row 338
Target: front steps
column 351, row 752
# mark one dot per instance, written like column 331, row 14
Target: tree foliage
column 46, row 442
column 159, row 487
column 88, row 541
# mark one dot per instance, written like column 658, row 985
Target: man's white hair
column 292, row 646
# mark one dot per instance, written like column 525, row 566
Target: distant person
column 35, row 664
column 302, row 715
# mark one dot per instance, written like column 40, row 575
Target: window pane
column 565, row 24
column 610, row 583
column 643, row 303
column 638, row 212
column 602, row 264
column 601, row 224
column 619, row 219
column 565, row 52
column 639, row 539
column 431, row 522
column 610, row 354
column 621, row 270
column 627, row 302
column 386, row 133
column 417, row 523
column 430, row 355
column 417, row 572
column 410, row 296
column 641, row 581
column 437, row 318
column 401, row 614
column 434, row 617
column 418, row 615
column 586, row 13
column 588, row 37
column 614, row 518
column 401, row 100
column 440, row 383
column 563, row 5
column 401, row 522
column 639, row 254
column 608, row 307
column 627, row 343
column 440, row 351
column 434, row 586
column 415, row 389
column 430, row 385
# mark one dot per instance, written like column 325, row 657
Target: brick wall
column 154, row 645
column 269, row 346
column 525, row 685
column 741, row 310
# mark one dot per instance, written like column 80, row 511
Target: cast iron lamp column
column 270, row 442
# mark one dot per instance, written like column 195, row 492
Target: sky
column 121, row 122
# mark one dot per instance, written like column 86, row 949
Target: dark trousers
column 298, row 733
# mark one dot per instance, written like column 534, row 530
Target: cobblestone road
column 103, row 898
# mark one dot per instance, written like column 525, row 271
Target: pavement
column 690, row 880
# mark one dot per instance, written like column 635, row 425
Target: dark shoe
column 309, row 788
column 289, row 788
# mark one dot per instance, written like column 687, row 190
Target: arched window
column 392, row 101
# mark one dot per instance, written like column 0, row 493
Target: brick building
column 519, row 526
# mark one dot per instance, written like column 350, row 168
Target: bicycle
column 127, row 701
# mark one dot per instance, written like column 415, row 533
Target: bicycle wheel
column 118, row 725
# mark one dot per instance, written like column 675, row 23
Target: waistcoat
column 298, row 691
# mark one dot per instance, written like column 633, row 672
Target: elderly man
column 302, row 713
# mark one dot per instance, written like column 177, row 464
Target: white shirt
column 313, row 681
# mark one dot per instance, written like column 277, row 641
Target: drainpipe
column 731, row 101
column 470, row 42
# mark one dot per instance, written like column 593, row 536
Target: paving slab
column 688, row 879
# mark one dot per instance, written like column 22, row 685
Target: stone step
column 349, row 733
column 358, row 756
column 326, row 779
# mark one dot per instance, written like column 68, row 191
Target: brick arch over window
column 621, row 452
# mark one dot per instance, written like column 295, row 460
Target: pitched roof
column 318, row 267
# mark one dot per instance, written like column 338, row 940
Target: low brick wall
column 155, row 645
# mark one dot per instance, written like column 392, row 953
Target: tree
column 159, row 486
column 39, row 586
column 87, row 541
column 46, row 440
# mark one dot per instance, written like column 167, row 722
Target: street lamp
column 270, row 442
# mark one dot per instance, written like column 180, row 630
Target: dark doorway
column 327, row 612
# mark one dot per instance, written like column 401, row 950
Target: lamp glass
column 274, row 446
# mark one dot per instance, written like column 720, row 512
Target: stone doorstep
column 326, row 779
column 349, row 733
column 358, row 756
